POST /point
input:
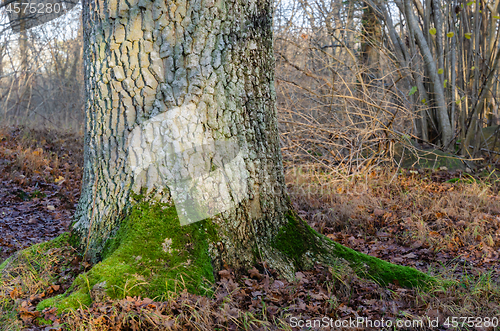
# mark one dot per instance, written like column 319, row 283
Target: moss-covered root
column 37, row 253
column 150, row 255
column 302, row 244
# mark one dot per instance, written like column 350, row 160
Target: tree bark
column 437, row 87
column 164, row 79
column 372, row 38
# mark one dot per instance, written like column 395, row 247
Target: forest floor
column 443, row 223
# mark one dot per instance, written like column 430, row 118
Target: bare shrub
column 338, row 110
column 41, row 77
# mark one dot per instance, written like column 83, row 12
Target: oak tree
column 183, row 172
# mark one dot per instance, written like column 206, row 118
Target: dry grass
column 329, row 112
column 457, row 223
column 427, row 206
column 464, row 296
column 32, row 153
column 28, row 277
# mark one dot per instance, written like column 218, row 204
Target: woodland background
column 357, row 81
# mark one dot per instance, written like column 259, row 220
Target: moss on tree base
column 379, row 270
column 304, row 246
column 150, row 255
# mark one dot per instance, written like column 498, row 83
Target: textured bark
column 370, row 55
column 436, row 13
column 202, row 70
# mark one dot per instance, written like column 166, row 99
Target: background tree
column 321, row 48
column 452, row 44
column 32, row 91
column 370, row 54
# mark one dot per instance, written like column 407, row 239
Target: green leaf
column 460, row 100
column 472, row 68
column 496, row 17
column 450, row 34
column 468, row 35
column 470, row 3
column 413, row 90
column 440, row 71
column 432, row 31
column 424, row 101
column 444, row 84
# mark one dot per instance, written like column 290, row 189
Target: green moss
column 426, row 159
column 36, row 263
column 381, row 271
column 42, row 321
column 74, row 239
column 61, row 241
column 36, row 252
column 150, row 255
column 77, row 299
column 300, row 243
column 50, row 302
column 295, row 239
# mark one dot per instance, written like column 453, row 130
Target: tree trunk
column 174, row 90
column 432, row 70
column 182, row 157
column 372, row 39
column 24, row 78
